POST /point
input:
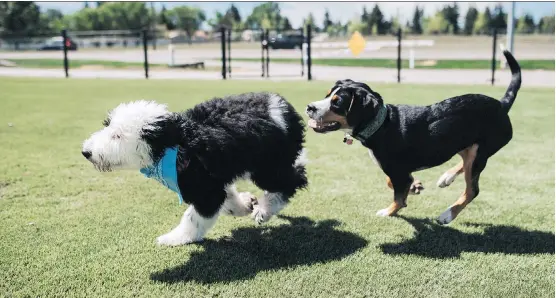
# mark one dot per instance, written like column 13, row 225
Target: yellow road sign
column 356, row 43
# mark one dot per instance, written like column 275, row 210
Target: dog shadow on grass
column 433, row 240
column 253, row 249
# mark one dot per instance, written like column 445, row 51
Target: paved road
column 280, row 72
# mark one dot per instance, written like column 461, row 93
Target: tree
column 546, row 25
column 470, row 19
column 310, row 20
column 21, row 18
column 451, row 15
column 377, row 19
column 189, row 19
column 285, row 24
column 483, row 23
column 265, row 16
column 499, row 19
column 86, row 4
column 327, row 22
column 52, row 21
column 437, row 24
column 364, row 29
column 126, row 15
column 234, row 14
column 163, row 19
column 416, row 26
column 525, row 25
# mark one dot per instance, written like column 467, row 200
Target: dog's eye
column 106, row 122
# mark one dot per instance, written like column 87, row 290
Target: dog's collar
column 165, row 170
column 368, row 129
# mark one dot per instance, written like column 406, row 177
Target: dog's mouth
column 323, row 126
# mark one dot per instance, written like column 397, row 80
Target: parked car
column 288, row 41
column 57, row 43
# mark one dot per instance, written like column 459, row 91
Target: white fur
column 276, row 108
column 322, row 106
column 192, row 228
column 446, row 179
column 373, row 157
column 383, row 212
column 302, row 159
column 237, row 204
column 269, row 205
column 445, row 217
column 120, row 144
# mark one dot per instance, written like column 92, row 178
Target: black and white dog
column 256, row 136
column 403, row 139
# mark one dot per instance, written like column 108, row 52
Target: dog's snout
column 87, row 154
column 311, row 108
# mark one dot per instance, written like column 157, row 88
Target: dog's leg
column 237, row 204
column 192, row 228
column 472, row 168
column 401, row 187
column 449, row 176
column 270, row 204
column 415, row 188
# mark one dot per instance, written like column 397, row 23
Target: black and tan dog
column 404, row 139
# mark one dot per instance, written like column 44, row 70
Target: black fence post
column 64, row 40
column 262, row 51
column 223, row 43
column 230, row 53
column 145, row 50
column 301, row 49
column 267, row 56
column 309, row 75
column 399, row 53
column 493, row 55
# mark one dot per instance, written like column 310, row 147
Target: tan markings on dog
column 329, row 91
column 468, row 194
column 335, row 97
column 389, row 183
column 393, row 208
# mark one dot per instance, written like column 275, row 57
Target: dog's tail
column 511, row 93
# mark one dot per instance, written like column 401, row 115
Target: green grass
column 67, row 230
column 392, row 63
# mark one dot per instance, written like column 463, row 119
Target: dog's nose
column 87, row 154
column 311, row 108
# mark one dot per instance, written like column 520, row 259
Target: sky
column 339, row 11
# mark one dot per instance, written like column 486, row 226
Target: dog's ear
column 161, row 134
column 365, row 103
column 344, row 82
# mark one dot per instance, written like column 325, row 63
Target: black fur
column 225, row 138
column 413, row 138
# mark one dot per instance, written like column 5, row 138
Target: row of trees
column 25, row 18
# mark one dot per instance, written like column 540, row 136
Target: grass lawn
column 436, row 64
column 68, row 230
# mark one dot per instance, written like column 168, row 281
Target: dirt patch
column 427, row 63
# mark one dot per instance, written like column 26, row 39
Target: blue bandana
column 165, row 171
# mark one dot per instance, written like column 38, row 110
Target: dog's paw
column 175, row 239
column 446, row 179
column 248, row 200
column 416, row 187
column 446, row 217
column 384, row 212
column 260, row 215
